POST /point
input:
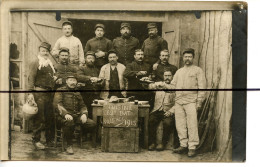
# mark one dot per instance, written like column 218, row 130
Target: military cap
column 125, row 25
column 90, row 53
column 189, row 50
column 111, row 51
column 100, row 26
column 71, row 75
column 64, row 49
column 151, row 25
column 45, row 45
column 67, row 22
column 138, row 50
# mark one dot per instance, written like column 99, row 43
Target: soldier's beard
column 90, row 64
column 167, row 81
column 72, row 86
column 126, row 35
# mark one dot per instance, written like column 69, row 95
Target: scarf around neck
column 44, row 63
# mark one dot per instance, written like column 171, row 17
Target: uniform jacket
column 74, row 45
column 158, row 73
column 99, row 44
column 188, row 78
column 72, row 102
column 125, row 48
column 105, row 74
column 152, row 48
column 85, row 73
column 40, row 78
column 62, row 70
column 164, row 100
column 130, row 74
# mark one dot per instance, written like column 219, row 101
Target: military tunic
column 125, row 48
column 152, row 48
column 99, row 44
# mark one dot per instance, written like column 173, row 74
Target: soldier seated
column 72, row 111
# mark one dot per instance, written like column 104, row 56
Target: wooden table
column 143, row 112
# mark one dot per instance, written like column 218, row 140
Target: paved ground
column 22, row 149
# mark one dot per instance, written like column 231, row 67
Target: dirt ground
column 22, row 149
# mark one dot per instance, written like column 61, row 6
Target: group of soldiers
column 105, row 69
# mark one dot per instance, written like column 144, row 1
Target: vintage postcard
column 123, row 81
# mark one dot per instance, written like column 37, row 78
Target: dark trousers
column 69, row 127
column 88, row 98
column 168, row 127
column 44, row 119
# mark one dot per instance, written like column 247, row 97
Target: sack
column 29, row 108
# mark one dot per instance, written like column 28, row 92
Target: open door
column 170, row 32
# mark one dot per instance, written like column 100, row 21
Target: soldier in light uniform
column 187, row 102
column 72, row 43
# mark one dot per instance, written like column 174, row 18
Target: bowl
column 101, row 102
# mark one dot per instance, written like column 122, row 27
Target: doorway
column 84, row 29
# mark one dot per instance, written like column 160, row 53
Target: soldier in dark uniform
column 89, row 76
column 162, row 66
column 41, row 78
column 100, row 45
column 153, row 45
column 125, row 45
column 72, row 111
column 134, row 72
column 63, row 68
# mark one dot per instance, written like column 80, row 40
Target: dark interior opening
column 84, row 29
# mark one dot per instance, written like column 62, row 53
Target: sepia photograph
column 151, row 84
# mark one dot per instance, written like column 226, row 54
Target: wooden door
column 170, row 32
column 42, row 26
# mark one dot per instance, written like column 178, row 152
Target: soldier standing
column 153, row 45
column 125, row 45
column 100, row 45
column 71, row 42
column 41, row 78
column 187, row 102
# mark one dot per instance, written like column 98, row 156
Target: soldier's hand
column 55, row 77
column 102, row 54
column 167, row 114
column 93, row 79
column 59, row 81
column 68, row 117
column 139, row 73
column 160, row 85
column 82, row 65
column 83, row 118
column 155, row 66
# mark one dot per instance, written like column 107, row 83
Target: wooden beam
column 125, row 5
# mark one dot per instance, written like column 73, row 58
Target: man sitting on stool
column 164, row 101
column 72, row 111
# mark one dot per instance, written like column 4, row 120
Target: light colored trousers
column 187, row 125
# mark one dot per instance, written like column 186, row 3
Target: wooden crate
column 120, row 139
